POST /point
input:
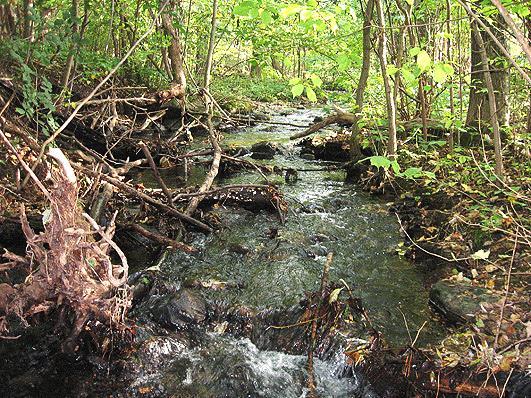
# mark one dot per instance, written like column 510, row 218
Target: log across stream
column 255, row 264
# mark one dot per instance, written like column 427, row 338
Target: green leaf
column 380, row 161
column 423, row 60
column 316, row 80
column 290, row 10
column 391, row 70
column 267, row 17
column 294, row 80
column 306, row 15
column 449, row 69
column 335, row 295
column 414, row 51
column 408, row 76
column 311, row 94
column 343, row 61
column 438, row 74
column 395, row 166
column 297, row 89
column 243, row 9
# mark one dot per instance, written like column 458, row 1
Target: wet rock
column 459, row 302
column 308, row 156
column 179, row 310
column 316, row 238
column 238, row 248
column 264, row 150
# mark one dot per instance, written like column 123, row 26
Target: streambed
column 263, row 266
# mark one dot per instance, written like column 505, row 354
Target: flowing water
column 266, row 265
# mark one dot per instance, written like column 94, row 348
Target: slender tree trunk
column 175, row 55
column 75, row 30
column 449, row 56
column 389, row 95
column 493, row 117
column 211, row 44
column 520, row 38
column 478, row 107
column 423, row 106
column 362, row 82
column 7, row 20
column 28, row 22
column 214, row 168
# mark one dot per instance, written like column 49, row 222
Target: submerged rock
column 457, row 302
column 179, row 310
column 264, row 150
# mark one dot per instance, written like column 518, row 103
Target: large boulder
column 458, row 302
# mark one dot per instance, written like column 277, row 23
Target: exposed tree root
column 70, row 270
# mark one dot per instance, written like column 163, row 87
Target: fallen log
column 338, row 118
column 251, row 197
column 346, row 118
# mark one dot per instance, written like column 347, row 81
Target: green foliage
column 237, row 92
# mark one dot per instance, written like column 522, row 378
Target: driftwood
column 310, row 383
column 338, row 118
column 213, row 172
column 251, row 197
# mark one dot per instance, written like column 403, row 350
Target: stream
column 265, row 266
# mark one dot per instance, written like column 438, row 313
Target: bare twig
column 156, row 171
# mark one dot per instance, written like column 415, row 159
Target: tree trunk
column 362, row 82
column 493, row 116
column 175, row 55
column 478, row 115
column 390, row 99
column 75, row 30
column 449, row 55
column 28, row 22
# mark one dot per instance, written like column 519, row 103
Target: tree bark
column 449, row 55
column 390, row 99
column 75, row 30
column 478, row 114
column 493, row 116
column 174, row 52
column 362, row 82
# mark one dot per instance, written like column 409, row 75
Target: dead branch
column 213, row 172
column 162, row 240
column 155, row 171
column 146, row 198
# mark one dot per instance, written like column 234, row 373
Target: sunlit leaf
column 423, row 60
column 311, row 94
column 316, row 80
column 297, row 90
column 335, row 295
